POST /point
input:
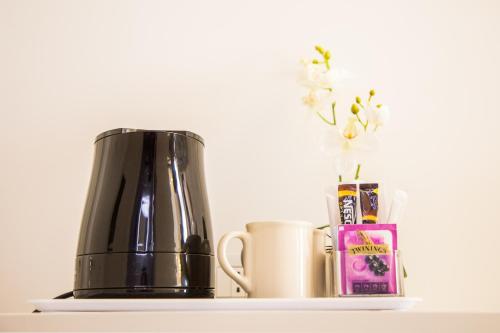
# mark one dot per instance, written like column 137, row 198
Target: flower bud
column 358, row 99
column 327, row 55
column 319, row 49
column 379, row 106
column 315, row 61
column 372, row 92
column 354, row 109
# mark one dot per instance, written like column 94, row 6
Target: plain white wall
column 226, row 70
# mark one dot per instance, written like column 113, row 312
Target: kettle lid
column 132, row 130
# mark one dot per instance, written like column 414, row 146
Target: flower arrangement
column 365, row 118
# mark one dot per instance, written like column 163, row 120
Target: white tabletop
column 254, row 321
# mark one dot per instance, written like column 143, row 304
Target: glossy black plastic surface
column 145, row 274
column 146, row 222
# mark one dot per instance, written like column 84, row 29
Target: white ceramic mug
column 277, row 259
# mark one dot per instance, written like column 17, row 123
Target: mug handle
column 242, row 280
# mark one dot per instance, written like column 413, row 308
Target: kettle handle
column 242, row 280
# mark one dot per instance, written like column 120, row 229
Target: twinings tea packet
column 367, row 259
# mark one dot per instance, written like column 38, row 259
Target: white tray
column 225, row 304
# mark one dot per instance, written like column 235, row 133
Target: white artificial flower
column 377, row 115
column 343, row 144
column 312, row 99
column 383, row 115
column 340, row 141
column 349, row 145
column 318, row 100
column 350, row 130
column 315, row 76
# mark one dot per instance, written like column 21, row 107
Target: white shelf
column 227, row 304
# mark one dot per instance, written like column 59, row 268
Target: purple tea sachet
column 367, row 259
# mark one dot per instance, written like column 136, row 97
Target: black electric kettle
column 146, row 229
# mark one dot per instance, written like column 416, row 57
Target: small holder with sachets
column 365, row 259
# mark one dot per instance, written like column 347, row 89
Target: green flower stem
column 326, row 120
column 334, row 118
column 333, row 113
column 365, row 125
column 340, row 178
column 323, row 226
column 357, row 172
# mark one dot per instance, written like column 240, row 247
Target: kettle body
column 146, row 229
